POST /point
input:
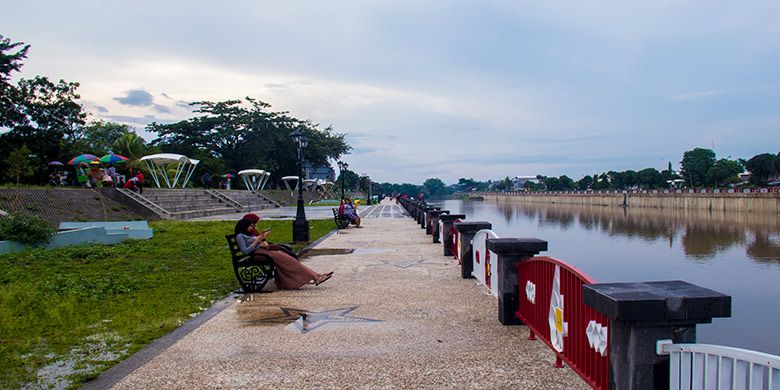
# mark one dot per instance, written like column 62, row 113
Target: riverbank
column 752, row 202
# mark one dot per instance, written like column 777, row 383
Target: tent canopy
column 159, row 164
column 254, row 179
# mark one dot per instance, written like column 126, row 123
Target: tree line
column 41, row 121
column 699, row 168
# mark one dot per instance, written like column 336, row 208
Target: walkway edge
column 124, row 368
column 115, row 374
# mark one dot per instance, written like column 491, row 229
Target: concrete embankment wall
column 754, row 202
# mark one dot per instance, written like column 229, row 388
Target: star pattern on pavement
column 308, row 320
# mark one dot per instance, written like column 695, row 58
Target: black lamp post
column 368, row 202
column 300, row 224
column 342, row 168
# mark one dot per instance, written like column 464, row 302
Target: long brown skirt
column 290, row 273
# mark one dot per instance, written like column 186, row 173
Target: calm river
column 736, row 254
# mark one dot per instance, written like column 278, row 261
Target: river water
column 734, row 253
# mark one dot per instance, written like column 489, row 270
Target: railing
column 145, row 202
column 484, row 268
column 704, row 366
column 576, row 332
column 645, row 191
column 455, row 241
column 224, row 198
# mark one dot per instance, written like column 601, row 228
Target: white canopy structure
column 254, row 179
column 160, row 164
column 290, row 179
column 309, row 184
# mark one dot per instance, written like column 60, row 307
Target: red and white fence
column 551, row 306
column 485, row 261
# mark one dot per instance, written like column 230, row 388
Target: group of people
column 95, row 175
column 223, row 183
column 348, row 210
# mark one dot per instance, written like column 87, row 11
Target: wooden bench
column 341, row 221
column 252, row 272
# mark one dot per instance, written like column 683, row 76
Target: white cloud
column 695, row 95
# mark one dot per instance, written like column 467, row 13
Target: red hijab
column 254, row 218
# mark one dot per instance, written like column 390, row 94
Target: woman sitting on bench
column 290, row 273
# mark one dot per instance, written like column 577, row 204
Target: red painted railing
column 551, row 306
column 454, row 242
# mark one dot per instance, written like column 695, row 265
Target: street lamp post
column 368, row 202
column 342, row 168
column 300, row 224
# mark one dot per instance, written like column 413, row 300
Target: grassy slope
column 95, row 305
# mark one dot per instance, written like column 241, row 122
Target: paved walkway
column 396, row 314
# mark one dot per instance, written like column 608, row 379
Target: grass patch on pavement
column 68, row 314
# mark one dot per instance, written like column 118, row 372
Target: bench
column 341, row 221
column 252, row 272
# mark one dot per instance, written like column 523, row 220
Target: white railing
column 484, row 261
column 705, row 366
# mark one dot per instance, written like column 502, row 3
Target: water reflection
column 734, row 253
column 703, row 234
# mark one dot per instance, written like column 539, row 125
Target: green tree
column 466, row 184
column 351, row 180
column 723, row 171
column 19, row 164
column 649, row 178
column 585, row 183
column 249, row 135
column 51, row 122
column 101, row 136
column 761, row 167
column 504, row 185
column 567, row 184
column 434, row 188
column 695, row 164
column 11, row 57
column 130, row 145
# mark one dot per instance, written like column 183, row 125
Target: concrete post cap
column 436, row 213
column 516, row 246
column 472, row 226
column 674, row 300
column 451, row 217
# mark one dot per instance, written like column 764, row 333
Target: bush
column 25, row 229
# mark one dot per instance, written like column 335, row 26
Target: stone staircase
column 195, row 203
column 249, row 200
column 189, row 203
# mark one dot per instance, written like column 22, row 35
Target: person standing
column 206, row 180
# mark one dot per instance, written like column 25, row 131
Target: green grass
column 92, row 306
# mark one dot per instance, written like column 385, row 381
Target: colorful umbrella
column 82, row 158
column 227, row 176
column 55, row 164
column 113, row 159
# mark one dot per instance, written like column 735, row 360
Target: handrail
column 716, row 366
column 142, row 200
column 225, row 198
column 551, row 306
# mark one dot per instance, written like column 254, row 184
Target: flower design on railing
column 530, row 292
column 558, row 328
column 597, row 337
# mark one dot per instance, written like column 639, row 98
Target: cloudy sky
column 448, row 89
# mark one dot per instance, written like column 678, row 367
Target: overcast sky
column 447, row 89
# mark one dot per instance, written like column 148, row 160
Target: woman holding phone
column 290, row 273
